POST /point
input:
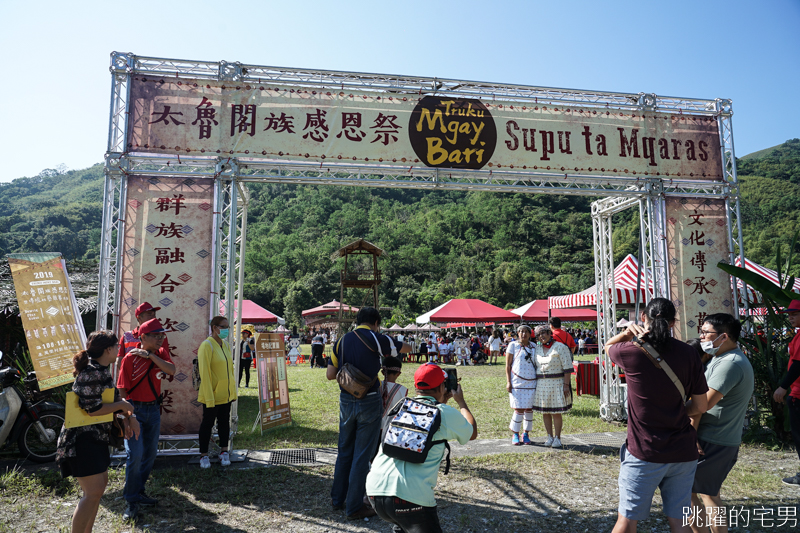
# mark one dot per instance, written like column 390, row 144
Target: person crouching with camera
column 139, row 384
column 402, row 492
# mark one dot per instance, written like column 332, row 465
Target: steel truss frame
column 616, row 193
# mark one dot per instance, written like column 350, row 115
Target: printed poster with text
column 50, row 316
column 167, row 261
column 273, row 388
column 697, row 239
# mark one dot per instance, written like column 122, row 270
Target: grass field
column 315, row 408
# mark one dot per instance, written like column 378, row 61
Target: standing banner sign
column 167, row 262
column 50, row 315
column 697, row 239
column 273, row 389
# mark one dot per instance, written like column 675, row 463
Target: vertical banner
column 697, row 239
column 167, row 262
column 50, row 316
column 273, row 389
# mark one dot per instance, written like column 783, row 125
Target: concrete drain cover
column 610, row 440
column 293, row 457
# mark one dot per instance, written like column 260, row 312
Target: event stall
column 326, row 315
column 468, row 311
column 539, row 311
column 252, row 313
column 625, row 275
column 753, row 295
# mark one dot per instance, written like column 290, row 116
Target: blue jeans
column 141, row 451
column 359, row 429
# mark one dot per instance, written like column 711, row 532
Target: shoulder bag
column 350, row 378
column 659, row 362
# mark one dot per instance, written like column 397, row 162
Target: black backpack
column 409, row 436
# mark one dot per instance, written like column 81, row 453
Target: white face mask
column 709, row 348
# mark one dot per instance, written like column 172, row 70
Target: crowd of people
column 485, row 346
column 686, row 407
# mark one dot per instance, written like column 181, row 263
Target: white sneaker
column 205, row 462
column 225, row 459
column 556, row 443
column 549, row 441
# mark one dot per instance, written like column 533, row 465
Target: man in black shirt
column 359, row 419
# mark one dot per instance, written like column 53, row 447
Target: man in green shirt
column 402, row 492
column 719, row 430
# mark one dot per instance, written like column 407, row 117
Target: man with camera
column 359, row 418
column 402, row 492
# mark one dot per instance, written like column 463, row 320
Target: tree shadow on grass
column 254, row 499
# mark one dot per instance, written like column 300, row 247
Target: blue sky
column 55, row 55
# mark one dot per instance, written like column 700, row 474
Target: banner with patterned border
column 50, row 316
column 263, row 120
column 167, row 259
column 273, row 388
column 697, row 239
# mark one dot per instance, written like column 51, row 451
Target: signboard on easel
column 273, row 388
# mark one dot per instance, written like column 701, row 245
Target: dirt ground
column 570, row 491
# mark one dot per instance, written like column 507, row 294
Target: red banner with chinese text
column 697, row 239
column 167, row 259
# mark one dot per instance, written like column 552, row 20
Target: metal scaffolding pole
column 614, row 192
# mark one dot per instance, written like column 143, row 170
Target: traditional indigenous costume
column 552, row 362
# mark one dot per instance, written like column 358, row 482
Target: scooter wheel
column 37, row 447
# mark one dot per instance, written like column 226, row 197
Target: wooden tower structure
column 360, row 272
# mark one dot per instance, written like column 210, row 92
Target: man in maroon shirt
column 661, row 448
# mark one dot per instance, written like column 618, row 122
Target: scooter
column 27, row 417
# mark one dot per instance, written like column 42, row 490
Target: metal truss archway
column 231, row 174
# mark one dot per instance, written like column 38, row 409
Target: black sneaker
column 132, row 512
column 146, row 500
column 794, row 480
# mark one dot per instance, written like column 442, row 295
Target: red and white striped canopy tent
column 624, row 282
column 754, row 297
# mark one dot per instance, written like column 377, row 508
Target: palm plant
column 768, row 348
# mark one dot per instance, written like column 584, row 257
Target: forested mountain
column 503, row 248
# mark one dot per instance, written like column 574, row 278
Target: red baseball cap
column 794, row 306
column 151, row 326
column 429, row 376
column 143, row 308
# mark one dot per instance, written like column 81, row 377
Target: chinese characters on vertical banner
column 697, row 239
column 273, row 389
column 167, row 262
column 50, row 316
